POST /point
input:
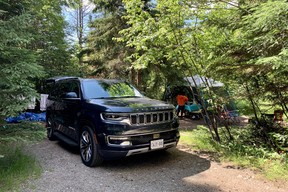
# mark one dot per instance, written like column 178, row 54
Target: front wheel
column 50, row 129
column 88, row 148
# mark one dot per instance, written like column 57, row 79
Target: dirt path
column 176, row 170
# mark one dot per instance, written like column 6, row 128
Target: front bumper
column 136, row 143
column 116, row 154
column 147, row 149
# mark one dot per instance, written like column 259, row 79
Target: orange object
column 181, row 100
column 278, row 115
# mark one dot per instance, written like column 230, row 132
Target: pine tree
column 18, row 63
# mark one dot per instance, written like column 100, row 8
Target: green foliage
column 275, row 169
column 253, row 149
column 32, row 46
column 49, row 37
column 244, row 107
column 18, row 63
column 244, row 45
column 22, row 132
column 105, row 55
column 15, row 165
column 246, row 150
column 199, row 139
column 152, row 35
column 158, row 38
column 253, row 52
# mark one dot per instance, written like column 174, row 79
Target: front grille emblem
column 156, row 136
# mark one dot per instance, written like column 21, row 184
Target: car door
column 70, row 107
column 57, row 106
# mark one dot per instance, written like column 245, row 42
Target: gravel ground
column 174, row 170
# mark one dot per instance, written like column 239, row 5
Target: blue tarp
column 27, row 116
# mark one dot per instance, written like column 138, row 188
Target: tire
column 50, row 129
column 88, row 148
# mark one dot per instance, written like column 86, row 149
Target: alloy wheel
column 86, row 146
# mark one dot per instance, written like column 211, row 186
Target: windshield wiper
column 116, row 97
column 130, row 96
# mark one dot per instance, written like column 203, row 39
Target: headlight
column 119, row 117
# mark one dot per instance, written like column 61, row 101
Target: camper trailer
column 194, row 89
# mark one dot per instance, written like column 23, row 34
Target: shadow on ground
column 166, row 170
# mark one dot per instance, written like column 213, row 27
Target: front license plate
column 157, row 144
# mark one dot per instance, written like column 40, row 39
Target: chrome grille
column 151, row 118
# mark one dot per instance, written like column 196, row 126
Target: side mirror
column 70, row 95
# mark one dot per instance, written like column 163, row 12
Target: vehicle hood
column 137, row 104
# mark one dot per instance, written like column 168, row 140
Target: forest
column 152, row 44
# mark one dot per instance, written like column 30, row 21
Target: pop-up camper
column 193, row 88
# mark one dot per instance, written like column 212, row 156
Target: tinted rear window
column 94, row 89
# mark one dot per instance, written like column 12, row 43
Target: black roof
column 55, row 79
column 60, row 78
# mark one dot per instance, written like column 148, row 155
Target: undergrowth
column 245, row 150
column 16, row 166
column 22, row 132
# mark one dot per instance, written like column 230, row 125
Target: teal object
column 192, row 107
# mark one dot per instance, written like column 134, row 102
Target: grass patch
column 22, row 132
column 272, row 165
column 199, row 139
column 15, row 165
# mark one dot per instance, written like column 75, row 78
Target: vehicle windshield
column 95, row 89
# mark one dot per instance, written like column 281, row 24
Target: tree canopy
column 151, row 43
column 18, row 63
column 243, row 44
column 32, row 46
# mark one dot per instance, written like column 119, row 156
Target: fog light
column 119, row 141
column 126, row 143
column 118, row 138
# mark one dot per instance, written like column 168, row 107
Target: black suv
column 108, row 119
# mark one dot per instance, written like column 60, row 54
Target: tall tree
column 49, row 37
column 104, row 54
column 164, row 39
column 108, row 56
column 18, row 62
column 251, row 51
column 79, row 13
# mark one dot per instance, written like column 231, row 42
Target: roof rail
column 59, row 78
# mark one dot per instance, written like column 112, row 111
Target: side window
column 69, row 86
column 74, row 87
column 63, row 87
column 54, row 91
